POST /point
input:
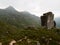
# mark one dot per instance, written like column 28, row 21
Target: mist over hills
column 18, row 19
column 11, row 16
column 57, row 21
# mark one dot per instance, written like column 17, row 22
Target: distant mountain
column 18, row 19
column 10, row 8
column 57, row 21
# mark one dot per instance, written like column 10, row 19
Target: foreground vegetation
column 43, row 35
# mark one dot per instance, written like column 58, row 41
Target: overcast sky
column 37, row 7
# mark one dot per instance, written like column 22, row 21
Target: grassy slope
column 9, row 32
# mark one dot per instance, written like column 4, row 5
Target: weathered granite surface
column 47, row 20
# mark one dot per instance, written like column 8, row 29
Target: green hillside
column 24, row 27
column 18, row 19
column 9, row 32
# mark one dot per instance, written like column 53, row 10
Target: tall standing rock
column 47, row 20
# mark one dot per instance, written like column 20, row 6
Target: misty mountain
column 18, row 19
column 57, row 21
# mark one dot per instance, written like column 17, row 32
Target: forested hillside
column 42, row 35
column 18, row 19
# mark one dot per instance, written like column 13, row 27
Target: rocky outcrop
column 47, row 20
column 13, row 42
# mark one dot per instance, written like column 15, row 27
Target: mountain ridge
column 19, row 19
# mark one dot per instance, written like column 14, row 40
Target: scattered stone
column 50, row 39
column 43, row 37
column 38, row 43
column 25, row 37
column 28, row 40
column 20, row 40
column 0, row 43
column 13, row 42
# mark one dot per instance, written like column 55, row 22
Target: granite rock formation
column 47, row 20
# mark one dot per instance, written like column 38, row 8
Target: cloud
column 37, row 7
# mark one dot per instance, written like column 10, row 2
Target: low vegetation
column 43, row 35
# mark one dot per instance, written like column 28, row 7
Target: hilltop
column 18, row 19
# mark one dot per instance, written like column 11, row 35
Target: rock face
column 13, row 42
column 47, row 20
column 0, row 43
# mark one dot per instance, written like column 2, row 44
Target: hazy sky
column 37, row 7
